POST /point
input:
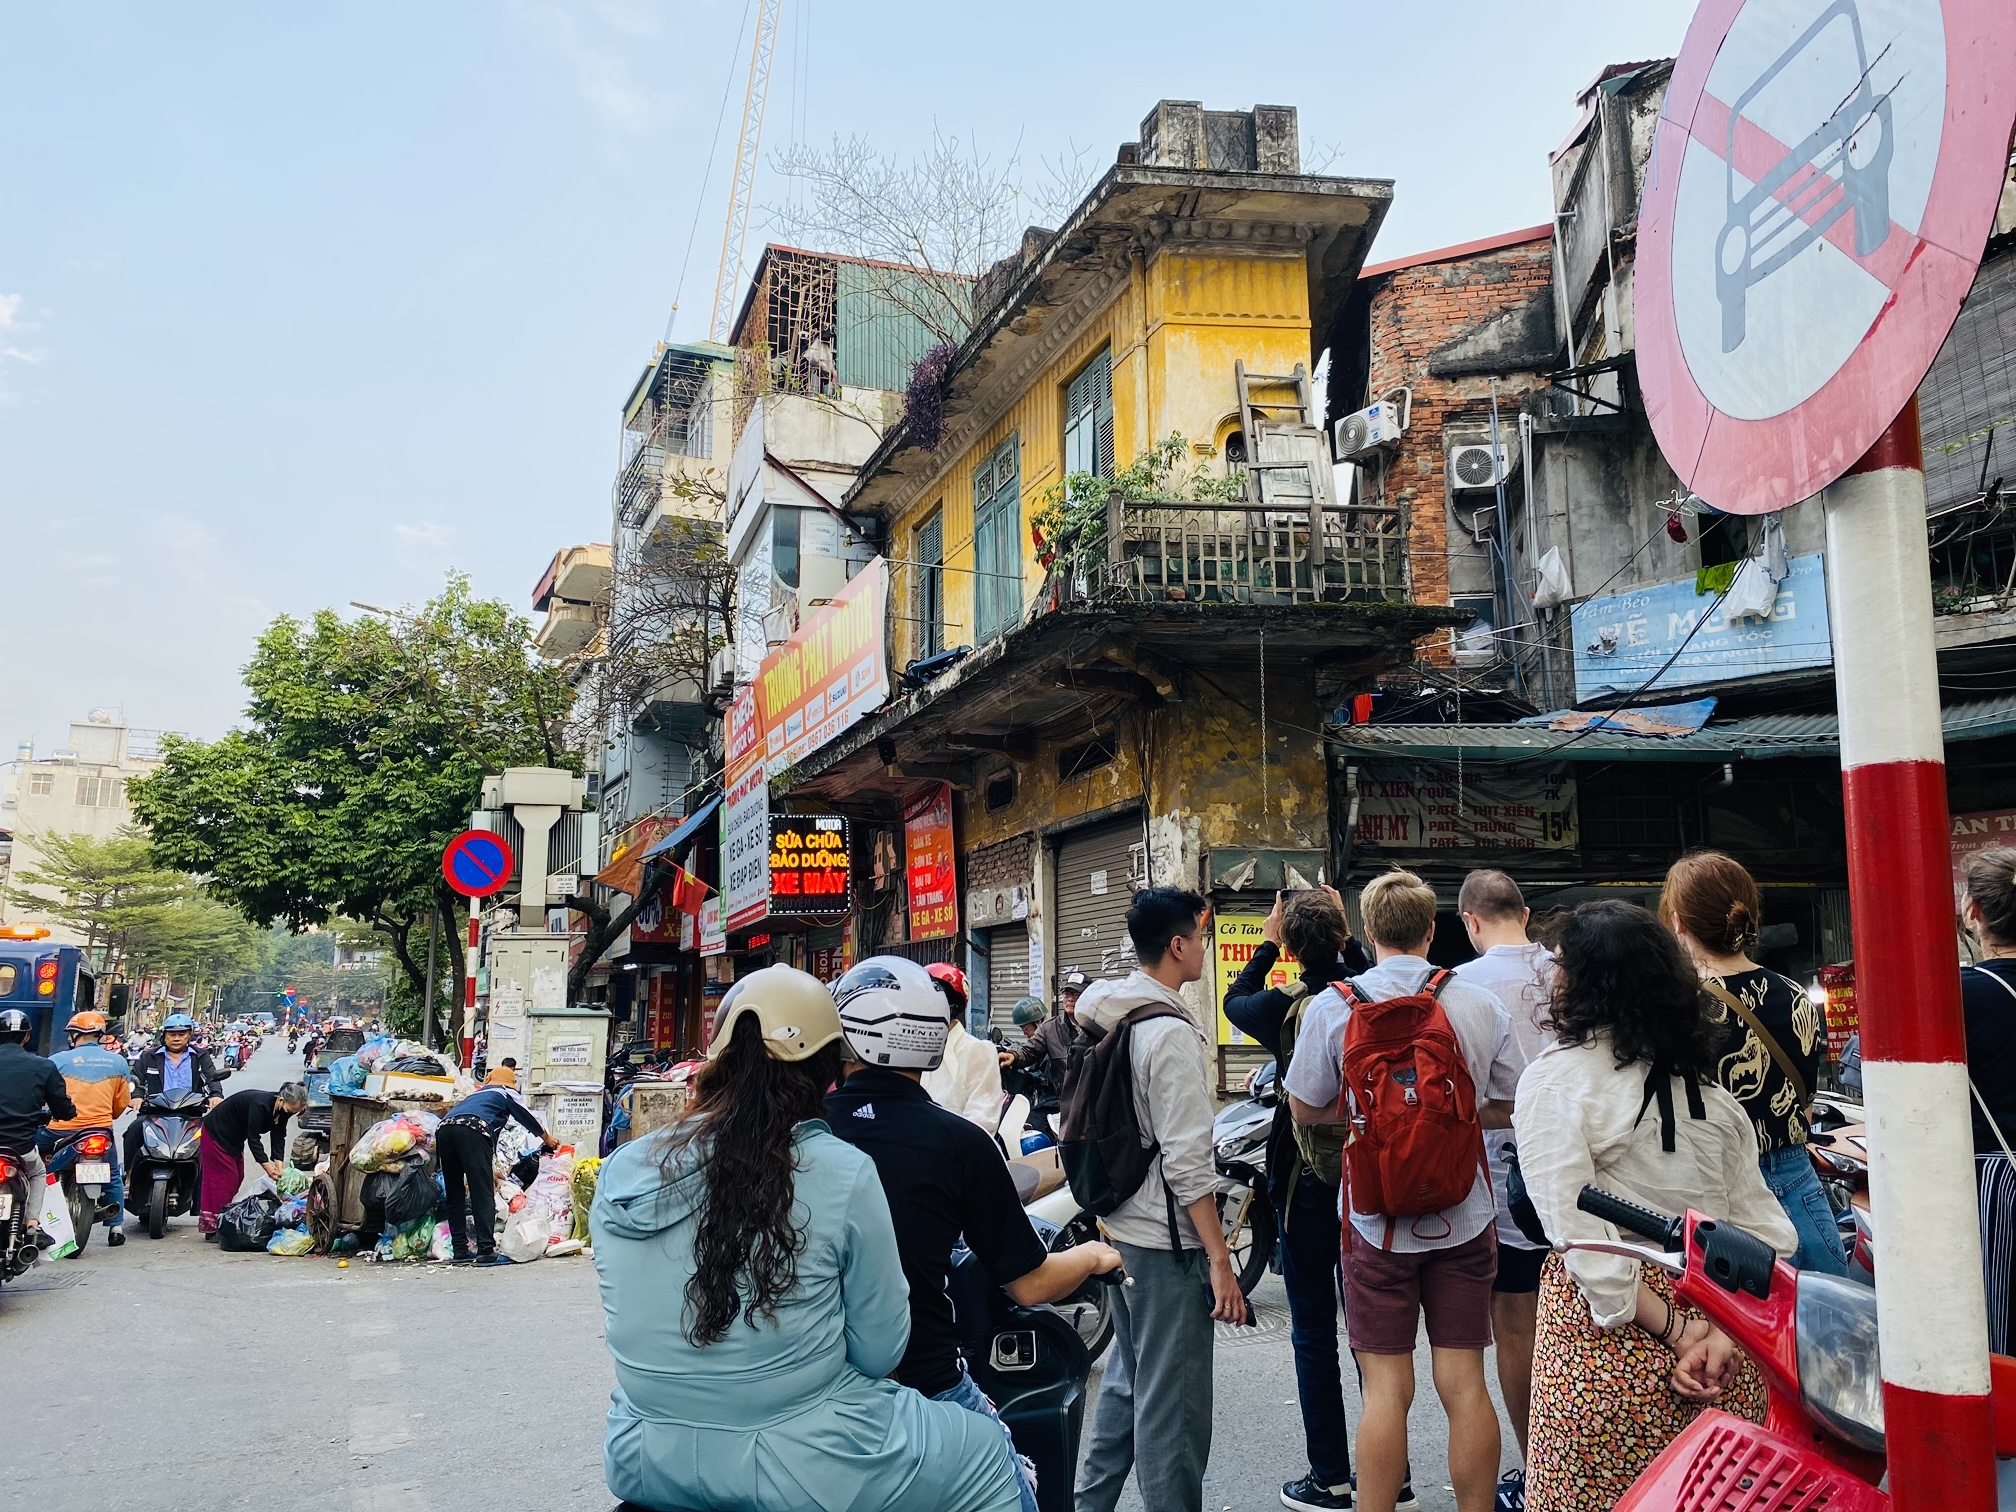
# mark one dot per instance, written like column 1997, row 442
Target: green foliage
column 363, row 752
column 1071, row 515
column 102, row 889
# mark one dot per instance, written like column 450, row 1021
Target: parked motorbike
column 1239, row 1151
column 163, row 1182
column 1837, row 1144
column 83, row 1158
column 1811, row 1336
column 1033, row 1363
column 18, row 1249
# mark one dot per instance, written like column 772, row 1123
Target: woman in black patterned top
column 1771, row 1035
column 1988, row 1003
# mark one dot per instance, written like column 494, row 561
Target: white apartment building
column 80, row 788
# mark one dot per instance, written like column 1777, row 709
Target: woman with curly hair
column 1625, row 1098
column 1769, row 1037
column 755, row 1303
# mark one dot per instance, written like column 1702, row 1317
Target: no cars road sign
column 1822, row 179
column 477, row 863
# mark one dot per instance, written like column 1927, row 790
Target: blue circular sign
column 477, row 863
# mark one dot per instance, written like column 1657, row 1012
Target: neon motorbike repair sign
column 809, row 864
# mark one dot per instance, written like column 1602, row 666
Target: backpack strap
column 1434, row 985
column 1741, row 1009
column 1659, row 1088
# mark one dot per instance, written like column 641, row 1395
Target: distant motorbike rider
column 174, row 1065
column 31, row 1092
column 968, row 1078
column 97, row 1082
column 1035, row 1068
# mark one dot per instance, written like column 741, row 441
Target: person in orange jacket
column 97, row 1080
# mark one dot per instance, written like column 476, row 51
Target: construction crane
column 743, row 183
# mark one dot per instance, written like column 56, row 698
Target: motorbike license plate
column 94, row 1172
column 6, row 1206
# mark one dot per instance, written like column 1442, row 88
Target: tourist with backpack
column 1520, row 974
column 1136, row 1125
column 1416, row 1065
column 1303, row 1167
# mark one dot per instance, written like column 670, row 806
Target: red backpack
column 1416, row 1141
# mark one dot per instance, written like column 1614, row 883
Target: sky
column 306, row 305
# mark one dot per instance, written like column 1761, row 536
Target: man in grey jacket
column 1157, row 1388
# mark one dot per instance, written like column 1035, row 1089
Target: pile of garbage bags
column 549, row 1217
column 391, row 1140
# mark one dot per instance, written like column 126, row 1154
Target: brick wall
column 1414, row 313
column 1011, row 860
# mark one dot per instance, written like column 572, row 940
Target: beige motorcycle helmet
column 792, row 1007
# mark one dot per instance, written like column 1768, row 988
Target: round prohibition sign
column 477, row 863
column 1823, row 176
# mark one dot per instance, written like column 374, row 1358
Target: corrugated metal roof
column 1752, row 739
column 881, row 332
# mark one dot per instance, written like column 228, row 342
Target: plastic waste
column 564, row 1247
column 582, row 1185
column 552, row 1195
column 294, row 1181
column 291, row 1241
column 406, row 1190
column 392, row 1139
column 525, row 1238
column 346, row 1076
column 248, row 1223
column 443, row 1247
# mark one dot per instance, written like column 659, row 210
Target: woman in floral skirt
column 1626, row 1099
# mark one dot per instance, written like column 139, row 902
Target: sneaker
column 115, row 1237
column 1311, row 1495
column 461, row 1259
column 42, row 1240
column 1406, row 1501
column 1512, row 1492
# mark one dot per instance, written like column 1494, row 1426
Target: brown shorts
column 1386, row 1292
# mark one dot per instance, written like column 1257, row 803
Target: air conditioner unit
column 1478, row 465
column 1370, row 428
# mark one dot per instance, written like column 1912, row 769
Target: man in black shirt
column 944, row 1178
column 32, row 1091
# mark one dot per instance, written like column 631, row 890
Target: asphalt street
column 170, row 1375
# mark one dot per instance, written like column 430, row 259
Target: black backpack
column 1099, row 1141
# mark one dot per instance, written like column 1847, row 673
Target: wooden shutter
column 930, row 585
column 1088, row 419
column 997, row 540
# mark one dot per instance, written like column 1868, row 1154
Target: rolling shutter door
column 1094, row 887
column 1007, row 972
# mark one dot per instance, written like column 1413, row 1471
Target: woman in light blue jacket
column 755, row 1302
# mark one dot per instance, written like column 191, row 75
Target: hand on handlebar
column 1706, row 1362
column 1105, row 1259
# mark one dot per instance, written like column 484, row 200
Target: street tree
column 363, row 752
column 102, row 889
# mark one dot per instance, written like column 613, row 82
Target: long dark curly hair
column 1623, row 972
column 746, row 1252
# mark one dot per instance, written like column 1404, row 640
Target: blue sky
column 304, row 305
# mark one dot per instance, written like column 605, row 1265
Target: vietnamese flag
column 689, row 893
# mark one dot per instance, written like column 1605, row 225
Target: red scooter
column 1812, row 1337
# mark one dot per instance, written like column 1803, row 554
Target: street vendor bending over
column 467, row 1145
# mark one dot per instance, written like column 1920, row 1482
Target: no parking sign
column 1822, row 179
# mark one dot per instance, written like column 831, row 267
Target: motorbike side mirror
column 1267, row 1095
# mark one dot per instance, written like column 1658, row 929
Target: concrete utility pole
column 430, row 1031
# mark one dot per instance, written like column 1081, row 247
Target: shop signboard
column 745, row 840
column 808, row 865
column 1976, row 832
column 1844, row 1020
column 657, row 922
column 1424, row 808
column 1238, row 936
column 1669, row 635
column 828, row 677
column 927, row 844
column 714, row 926
column 827, row 962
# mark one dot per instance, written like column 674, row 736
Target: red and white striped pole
column 466, row 1041
column 1932, row 1314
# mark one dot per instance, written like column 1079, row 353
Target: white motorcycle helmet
column 893, row 1014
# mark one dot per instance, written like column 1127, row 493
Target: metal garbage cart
column 336, row 1197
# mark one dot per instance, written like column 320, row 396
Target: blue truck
column 46, row 980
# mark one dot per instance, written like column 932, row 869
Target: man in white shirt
column 1438, row 1264
column 1520, row 975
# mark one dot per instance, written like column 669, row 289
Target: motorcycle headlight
column 1840, row 1375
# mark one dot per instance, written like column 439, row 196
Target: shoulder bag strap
column 1741, row 1009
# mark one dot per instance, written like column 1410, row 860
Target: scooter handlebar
column 1666, row 1232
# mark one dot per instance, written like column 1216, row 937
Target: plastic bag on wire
column 248, row 1223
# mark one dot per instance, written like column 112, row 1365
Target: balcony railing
column 1236, row 553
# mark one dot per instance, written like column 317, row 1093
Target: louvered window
column 931, row 586
column 1088, row 419
column 997, row 540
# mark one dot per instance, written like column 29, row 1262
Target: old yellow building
column 1125, row 588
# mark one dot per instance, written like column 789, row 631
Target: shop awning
column 1750, row 739
column 686, row 831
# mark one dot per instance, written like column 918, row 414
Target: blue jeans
column 46, row 1139
column 1310, row 1257
column 1793, row 1181
column 966, row 1394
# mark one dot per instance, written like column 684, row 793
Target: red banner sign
column 927, row 846
column 1844, row 1019
column 829, row 676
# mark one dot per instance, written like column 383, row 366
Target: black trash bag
column 248, row 1223
column 407, row 1191
column 414, row 1065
